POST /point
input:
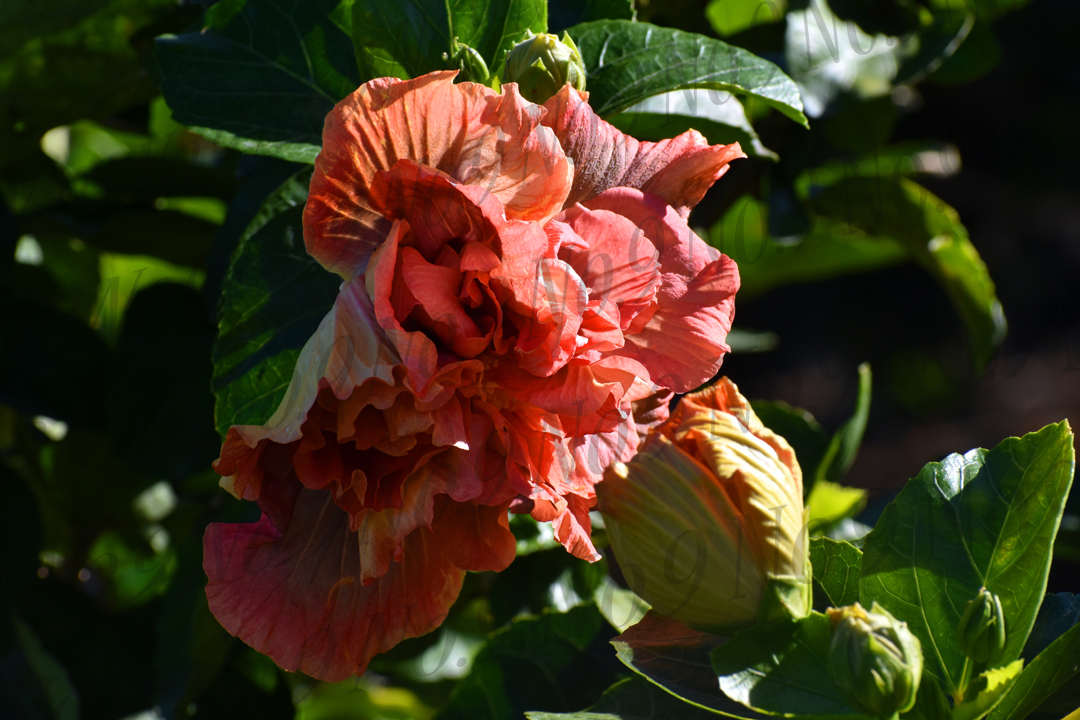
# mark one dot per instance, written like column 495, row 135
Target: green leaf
column 719, row 116
column 830, row 503
column 158, row 401
column 899, row 160
column 273, row 299
column 846, row 441
column 535, row 663
column 566, row 13
column 1050, row 670
column 1058, row 613
column 806, row 437
column 728, row 17
column 671, row 655
column 300, row 152
column 782, row 668
column 619, row 606
column 408, row 38
column 829, row 250
column 986, row 690
column 937, row 43
column 836, row 567
column 987, row 518
column 628, row 62
column 632, row 699
column 260, row 69
column 931, row 233
column 984, row 9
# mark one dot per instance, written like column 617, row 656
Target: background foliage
column 911, row 185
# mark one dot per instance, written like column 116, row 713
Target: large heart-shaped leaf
column 986, row 518
column 628, row 62
column 273, row 299
column 264, row 70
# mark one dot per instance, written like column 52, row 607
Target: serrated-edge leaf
column 836, row 566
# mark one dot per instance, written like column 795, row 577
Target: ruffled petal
column 294, row 593
column 682, row 341
column 678, row 170
column 467, row 131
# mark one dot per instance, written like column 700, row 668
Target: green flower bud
column 874, row 660
column 542, row 64
column 469, row 63
column 981, row 632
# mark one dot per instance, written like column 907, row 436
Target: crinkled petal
column 678, row 170
column 682, row 342
column 467, row 131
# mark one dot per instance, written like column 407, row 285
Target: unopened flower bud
column 542, row 64
column 981, row 632
column 707, row 519
column 875, row 661
column 469, row 63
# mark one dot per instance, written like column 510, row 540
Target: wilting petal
column 679, row 170
column 294, row 593
column 467, row 131
column 682, row 343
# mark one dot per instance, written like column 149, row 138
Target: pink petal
column 679, row 170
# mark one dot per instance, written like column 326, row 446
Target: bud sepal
column 981, row 632
column 542, row 64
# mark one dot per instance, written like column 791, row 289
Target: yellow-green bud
column 981, row 632
column 542, row 64
column 707, row 519
column 875, row 661
column 469, row 63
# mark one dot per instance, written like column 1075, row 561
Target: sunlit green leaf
column 836, row 569
column 983, row 519
column 628, row 62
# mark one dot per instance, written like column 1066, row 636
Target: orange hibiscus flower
column 522, row 293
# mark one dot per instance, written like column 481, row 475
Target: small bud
column 469, row 63
column 542, row 64
column 981, row 632
column 707, row 519
column 875, row 660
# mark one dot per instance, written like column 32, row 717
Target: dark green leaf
column 937, row 43
column 977, row 55
column 273, row 299
column 148, row 178
column 408, row 39
column 846, row 441
column 782, row 668
column 1050, row 670
column 555, row 662
column 158, row 401
column 1058, row 613
column 719, row 116
column 632, row 699
column 566, row 13
column 260, row 69
column 628, row 62
column 899, row 160
column 831, row 249
column 836, row 569
column 51, row 364
column 984, row 9
column 987, row 518
column 299, row 152
column 671, row 655
column 932, row 234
